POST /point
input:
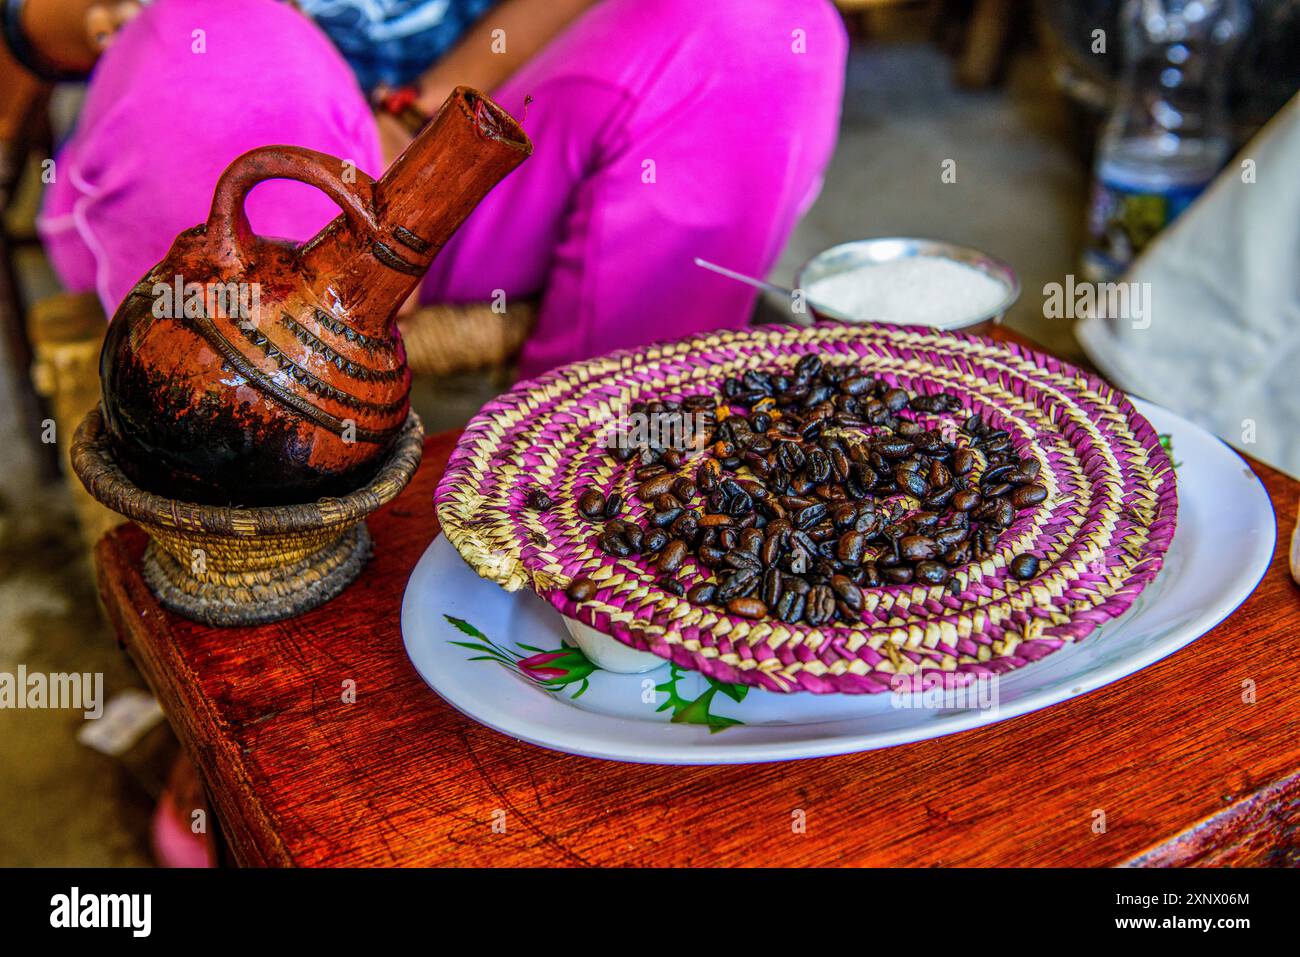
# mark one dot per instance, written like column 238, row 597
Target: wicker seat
column 470, row 337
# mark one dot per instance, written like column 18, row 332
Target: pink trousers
column 663, row 130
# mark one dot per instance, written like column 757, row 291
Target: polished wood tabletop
column 1176, row 764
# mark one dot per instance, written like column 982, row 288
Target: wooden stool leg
column 986, row 39
column 67, row 331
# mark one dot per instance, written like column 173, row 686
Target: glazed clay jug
column 251, row 371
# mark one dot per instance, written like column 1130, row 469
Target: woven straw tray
column 1101, row 534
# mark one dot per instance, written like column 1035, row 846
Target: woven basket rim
column 92, row 460
column 1135, row 473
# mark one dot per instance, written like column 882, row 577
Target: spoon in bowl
column 782, row 291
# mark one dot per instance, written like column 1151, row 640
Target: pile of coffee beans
column 806, row 488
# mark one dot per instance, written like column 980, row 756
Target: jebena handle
column 228, row 228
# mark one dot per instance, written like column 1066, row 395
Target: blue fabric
column 394, row 41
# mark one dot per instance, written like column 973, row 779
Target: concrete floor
column 1019, row 195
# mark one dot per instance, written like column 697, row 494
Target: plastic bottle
column 1167, row 135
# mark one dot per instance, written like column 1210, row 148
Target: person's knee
column 768, row 38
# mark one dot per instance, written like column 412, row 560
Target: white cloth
column 1223, row 344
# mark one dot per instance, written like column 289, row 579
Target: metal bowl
column 847, row 256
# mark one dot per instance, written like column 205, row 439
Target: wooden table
column 1184, row 770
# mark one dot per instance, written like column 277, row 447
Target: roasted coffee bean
column 950, row 535
column 913, row 484
column 655, row 539
column 666, row 502
column 849, row 594
column 716, row 521
column 685, row 526
column 614, row 545
column 897, row 574
column 916, row 548
column 895, row 399
column 780, row 527
column 684, row 489
column 963, row 461
column 940, row 499
column 592, row 504
column 771, row 551
column 652, row 489
column 931, row 573
column 808, row 366
column 870, row 575
column 672, row 556
column 996, row 473
column 851, row 547
column 958, row 554
column 634, row 536
column 791, row 607
column 672, row 586
column 738, row 584
column 1004, row 514
column 738, row 559
column 1027, row 495
column 702, row 594
column 666, row 518
column 708, row 475
column 921, row 521
column 647, row 472
column 965, row 500
column 931, row 443
column 998, row 446
column 710, row 556
column 939, row 475
column 1024, row 566
column 809, row 516
column 820, row 608
column 844, row 517
column 740, row 505
column 581, row 589
column 747, row 607
column 869, row 522
column 996, row 490
column 613, row 505
column 894, row 448
column 771, row 589
column 751, row 541
column 539, row 500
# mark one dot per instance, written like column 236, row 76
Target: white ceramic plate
column 1221, row 549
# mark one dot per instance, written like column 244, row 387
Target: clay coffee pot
column 250, row 371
